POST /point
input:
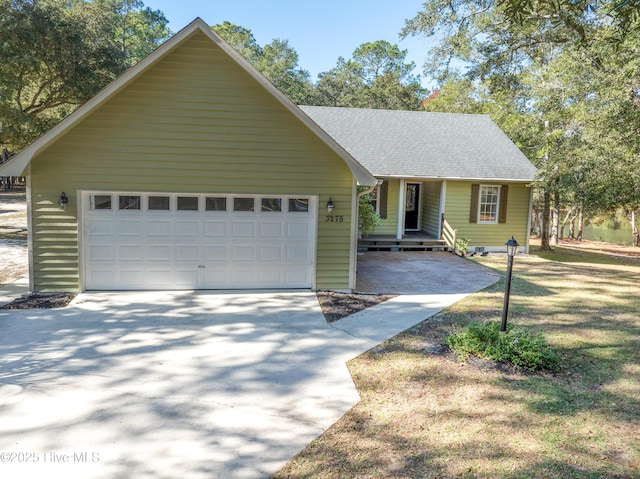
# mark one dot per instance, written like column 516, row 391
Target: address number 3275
column 333, row 219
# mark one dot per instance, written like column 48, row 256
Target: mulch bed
column 336, row 306
column 41, row 301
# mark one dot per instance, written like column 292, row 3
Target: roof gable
column 413, row 144
column 18, row 164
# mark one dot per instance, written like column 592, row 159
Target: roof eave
column 457, row 178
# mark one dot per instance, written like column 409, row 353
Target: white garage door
column 134, row 241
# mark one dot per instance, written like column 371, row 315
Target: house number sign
column 333, row 219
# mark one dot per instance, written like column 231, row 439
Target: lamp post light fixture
column 512, row 249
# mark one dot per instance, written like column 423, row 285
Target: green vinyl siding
column 195, row 122
column 458, row 204
column 430, row 222
column 389, row 225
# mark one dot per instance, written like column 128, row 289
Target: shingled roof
column 415, row 144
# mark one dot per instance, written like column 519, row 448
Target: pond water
column 609, row 231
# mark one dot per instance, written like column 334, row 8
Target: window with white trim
column 489, row 204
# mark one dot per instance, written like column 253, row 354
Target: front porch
column 410, row 241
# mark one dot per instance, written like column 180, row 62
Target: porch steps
column 374, row 244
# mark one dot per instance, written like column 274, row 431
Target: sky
column 320, row 31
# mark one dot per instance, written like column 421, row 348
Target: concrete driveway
column 181, row 385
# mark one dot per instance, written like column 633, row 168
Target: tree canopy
column 561, row 78
column 56, row 54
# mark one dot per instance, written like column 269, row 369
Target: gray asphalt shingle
column 415, row 144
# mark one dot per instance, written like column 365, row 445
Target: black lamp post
column 512, row 249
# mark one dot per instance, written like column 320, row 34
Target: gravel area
column 13, row 236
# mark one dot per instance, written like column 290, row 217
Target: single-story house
column 192, row 171
column 438, row 169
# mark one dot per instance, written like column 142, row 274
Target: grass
column 426, row 415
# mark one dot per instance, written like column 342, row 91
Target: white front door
column 149, row 241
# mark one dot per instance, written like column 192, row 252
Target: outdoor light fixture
column 62, row 202
column 512, row 249
column 330, row 205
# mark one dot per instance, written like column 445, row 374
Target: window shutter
column 384, row 194
column 473, row 213
column 502, row 213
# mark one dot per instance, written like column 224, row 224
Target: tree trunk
column 580, row 221
column 565, row 221
column 634, row 228
column 572, row 226
column 544, row 231
column 555, row 218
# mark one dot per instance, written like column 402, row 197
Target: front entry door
column 411, row 210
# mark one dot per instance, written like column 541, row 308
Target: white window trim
column 497, row 214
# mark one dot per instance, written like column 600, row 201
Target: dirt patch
column 336, row 306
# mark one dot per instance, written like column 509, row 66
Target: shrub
column 515, row 346
column 462, row 245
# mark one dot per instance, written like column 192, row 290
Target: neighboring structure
column 192, row 171
column 435, row 166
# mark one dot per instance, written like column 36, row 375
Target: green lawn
column 423, row 414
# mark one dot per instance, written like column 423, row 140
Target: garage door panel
column 270, row 277
column 298, row 230
column 243, row 253
column 159, row 229
column 216, row 229
column 187, row 252
column 159, row 253
column 101, row 229
column 271, row 253
column 297, row 276
column 187, row 228
column 131, row 228
column 243, row 229
column 131, row 253
column 130, row 278
column 300, row 253
column 187, row 278
column 242, row 276
column 101, row 253
column 170, row 249
column 215, row 253
column 271, row 230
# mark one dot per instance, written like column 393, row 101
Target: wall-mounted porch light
column 330, row 205
column 62, row 202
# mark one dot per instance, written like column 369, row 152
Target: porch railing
column 449, row 235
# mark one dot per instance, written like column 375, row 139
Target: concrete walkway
column 181, row 384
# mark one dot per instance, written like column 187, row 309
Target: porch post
column 401, row 199
column 443, row 196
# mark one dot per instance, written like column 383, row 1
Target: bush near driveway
column 515, row 346
column 427, row 415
